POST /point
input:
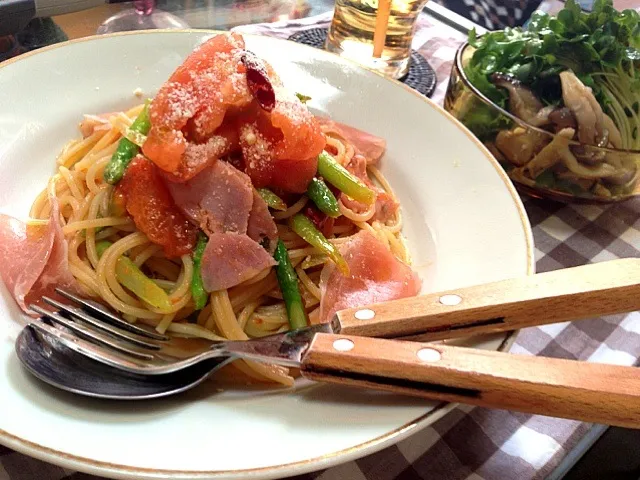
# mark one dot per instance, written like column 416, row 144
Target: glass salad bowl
column 540, row 162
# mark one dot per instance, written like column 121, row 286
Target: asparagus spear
column 288, row 281
column 126, row 150
column 198, row 293
column 130, row 276
column 324, row 198
column 345, row 181
column 304, row 227
column 271, row 199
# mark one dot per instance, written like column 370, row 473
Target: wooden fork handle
column 590, row 392
column 562, row 295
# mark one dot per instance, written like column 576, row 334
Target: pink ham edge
column 92, row 123
column 386, row 206
column 370, row 146
column 376, row 276
column 230, row 259
column 218, row 199
column 24, row 256
column 261, row 225
column 34, row 263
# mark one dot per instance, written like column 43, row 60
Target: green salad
column 577, row 75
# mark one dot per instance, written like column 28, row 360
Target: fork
column 136, row 363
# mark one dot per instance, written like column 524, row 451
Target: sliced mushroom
column 562, row 118
column 542, row 117
column 601, row 138
column 626, row 177
column 626, row 166
column 519, row 145
column 522, row 102
column 580, row 170
column 550, row 154
column 518, row 174
column 589, row 155
column 584, row 106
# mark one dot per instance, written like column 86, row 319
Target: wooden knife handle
column 562, row 295
column 589, row 392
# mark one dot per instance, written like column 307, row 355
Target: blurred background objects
column 104, row 16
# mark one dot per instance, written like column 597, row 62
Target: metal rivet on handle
column 365, row 314
column 450, row 300
column 343, row 345
column 429, row 355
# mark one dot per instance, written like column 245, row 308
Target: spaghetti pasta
column 253, row 308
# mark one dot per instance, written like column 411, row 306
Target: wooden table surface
column 85, row 23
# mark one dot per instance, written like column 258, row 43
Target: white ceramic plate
column 464, row 223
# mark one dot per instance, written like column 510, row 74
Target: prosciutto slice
column 230, row 259
column 376, row 275
column 218, row 199
column 34, row 259
column 223, row 202
column 370, row 146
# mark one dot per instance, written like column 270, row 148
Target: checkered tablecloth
column 475, row 443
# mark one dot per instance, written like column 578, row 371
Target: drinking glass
column 375, row 33
column 144, row 16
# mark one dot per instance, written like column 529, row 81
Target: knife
column 563, row 295
column 589, row 392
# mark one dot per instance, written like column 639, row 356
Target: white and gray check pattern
column 493, row 14
column 475, row 443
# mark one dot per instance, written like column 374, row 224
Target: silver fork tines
column 90, row 333
column 110, row 317
column 88, row 348
column 100, row 337
column 80, row 314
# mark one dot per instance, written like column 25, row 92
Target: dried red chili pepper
column 258, row 81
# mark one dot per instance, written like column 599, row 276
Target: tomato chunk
column 192, row 104
column 280, row 148
column 154, row 212
column 223, row 99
